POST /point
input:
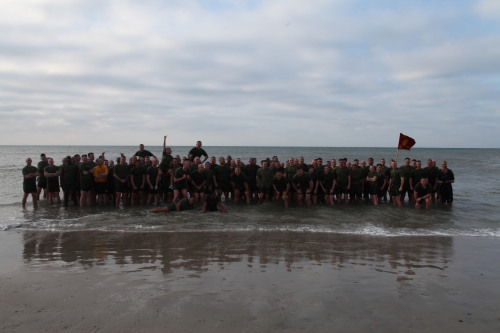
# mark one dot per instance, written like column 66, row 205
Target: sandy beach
column 90, row 281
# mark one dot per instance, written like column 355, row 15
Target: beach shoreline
column 246, row 282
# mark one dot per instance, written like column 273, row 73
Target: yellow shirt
column 100, row 170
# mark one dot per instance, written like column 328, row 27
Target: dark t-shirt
column 371, row 175
column 222, row 173
column 355, row 177
column 179, row 173
column 342, row 175
column 396, row 178
column 197, row 152
column 431, row 173
column 239, row 180
column 212, row 203
column 265, row 176
column 184, row 204
column 251, row 173
column 137, row 173
column 381, row 177
column 166, row 159
column 446, row 176
column 406, row 173
column 41, row 168
column 423, row 191
column 416, row 175
column 281, row 184
column 302, row 182
column 291, row 170
column 199, row 177
column 29, row 184
column 143, row 153
column 327, row 180
column 121, row 170
column 68, row 174
column 53, row 181
column 85, row 180
column 152, row 174
column 364, row 172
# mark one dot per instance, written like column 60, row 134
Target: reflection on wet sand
column 170, row 251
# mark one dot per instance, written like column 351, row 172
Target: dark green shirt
column 396, row 177
column 356, row 177
column 265, row 177
column 342, row 175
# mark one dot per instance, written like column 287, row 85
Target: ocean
column 474, row 212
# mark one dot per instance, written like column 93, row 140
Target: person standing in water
column 444, row 179
column 30, row 173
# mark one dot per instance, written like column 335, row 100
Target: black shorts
column 53, row 186
column 180, row 186
column 101, row 188
column 394, row 191
column 328, row 190
column 356, row 190
column 341, row 189
column 373, row 189
column 42, row 182
column 303, row 189
column 86, row 186
column 69, row 187
column 29, row 188
column 266, row 190
column 224, row 187
column 382, row 193
column 240, row 188
column 252, row 187
column 121, row 187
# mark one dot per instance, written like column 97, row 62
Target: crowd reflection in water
column 196, row 251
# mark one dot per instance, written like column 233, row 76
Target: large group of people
column 173, row 183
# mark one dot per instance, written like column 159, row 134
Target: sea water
column 475, row 210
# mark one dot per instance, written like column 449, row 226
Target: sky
column 335, row 73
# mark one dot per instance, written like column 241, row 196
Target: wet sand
column 94, row 281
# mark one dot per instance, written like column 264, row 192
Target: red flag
column 405, row 142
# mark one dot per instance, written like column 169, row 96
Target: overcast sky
column 271, row 72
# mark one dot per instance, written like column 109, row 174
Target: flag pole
column 397, row 153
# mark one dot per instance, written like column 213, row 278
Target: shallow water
column 474, row 213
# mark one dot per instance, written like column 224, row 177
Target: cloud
column 248, row 73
